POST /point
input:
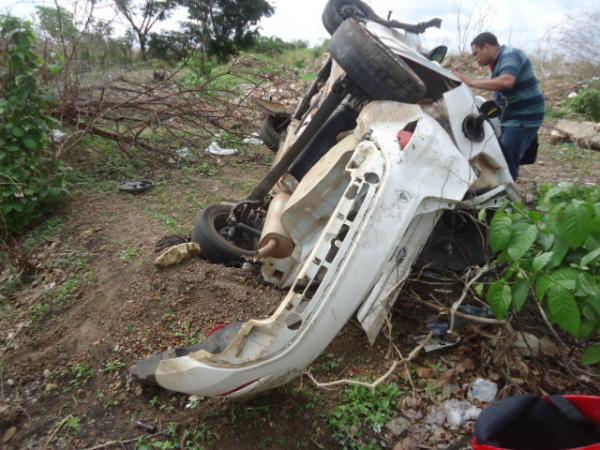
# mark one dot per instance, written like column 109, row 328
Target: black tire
column 336, row 11
column 214, row 246
column 380, row 73
column 272, row 130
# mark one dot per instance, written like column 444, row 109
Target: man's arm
column 501, row 83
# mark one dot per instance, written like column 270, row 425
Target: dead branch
column 453, row 310
column 379, row 380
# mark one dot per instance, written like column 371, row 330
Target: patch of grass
column 362, row 408
column 66, row 290
column 38, row 311
column 113, row 366
column 80, row 374
column 44, row 233
column 128, row 253
column 73, row 424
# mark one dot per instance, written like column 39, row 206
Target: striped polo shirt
column 524, row 103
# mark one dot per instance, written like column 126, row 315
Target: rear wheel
column 336, row 11
column 380, row 73
column 219, row 242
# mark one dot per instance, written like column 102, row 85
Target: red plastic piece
column 404, row 138
column 589, row 405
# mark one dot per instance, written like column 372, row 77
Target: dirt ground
column 90, row 303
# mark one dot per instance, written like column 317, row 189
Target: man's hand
column 465, row 79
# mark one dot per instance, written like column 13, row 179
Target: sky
column 526, row 24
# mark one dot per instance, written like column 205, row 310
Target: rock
column 9, row 434
column 176, row 254
column 584, row 134
column 527, row 344
column 483, row 391
column 8, row 415
column 436, row 417
column 51, row 387
column 398, row 425
column 548, row 347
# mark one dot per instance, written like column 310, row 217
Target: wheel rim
column 232, row 235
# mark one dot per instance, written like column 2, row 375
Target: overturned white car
column 384, row 143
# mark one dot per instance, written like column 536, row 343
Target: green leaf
column 17, row 131
column 541, row 260
column 559, row 250
column 30, row 143
column 576, row 223
column 564, row 310
column 521, row 240
column 499, row 298
column 546, row 240
column 520, row 292
column 591, row 355
column 500, row 231
column 587, row 284
column 565, row 278
column 591, row 256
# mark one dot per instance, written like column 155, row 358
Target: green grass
column 42, row 234
column 363, row 409
column 128, row 253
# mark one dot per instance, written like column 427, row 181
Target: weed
column 113, row 366
column 43, row 234
column 328, row 362
column 38, row 311
column 73, row 423
column 65, row 291
column 208, row 169
column 586, row 103
column 363, row 406
column 129, row 253
column 80, row 374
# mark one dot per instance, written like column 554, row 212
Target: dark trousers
column 515, row 142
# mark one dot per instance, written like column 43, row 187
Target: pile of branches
column 150, row 115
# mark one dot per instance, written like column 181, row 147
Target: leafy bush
column 587, row 103
column 27, row 167
column 553, row 256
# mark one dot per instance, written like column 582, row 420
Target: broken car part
column 359, row 217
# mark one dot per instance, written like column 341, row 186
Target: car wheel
column 380, row 73
column 336, row 11
column 211, row 232
column 272, row 130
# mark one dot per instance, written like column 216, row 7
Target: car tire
column 272, row 129
column 380, row 73
column 336, row 11
column 214, row 246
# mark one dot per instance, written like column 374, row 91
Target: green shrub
column 587, row 103
column 552, row 254
column 28, row 171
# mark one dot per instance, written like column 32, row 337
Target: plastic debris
column 572, row 95
column 58, row 135
column 483, row 391
column 176, row 254
column 216, row 149
column 459, row 412
column 254, row 139
column 185, row 154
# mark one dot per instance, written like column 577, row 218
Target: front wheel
column 219, row 242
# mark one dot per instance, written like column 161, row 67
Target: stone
column 9, row 434
column 177, row 254
column 398, row 425
column 527, row 344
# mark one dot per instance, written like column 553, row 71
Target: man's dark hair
column 484, row 38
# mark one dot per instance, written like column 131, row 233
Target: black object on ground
column 136, row 186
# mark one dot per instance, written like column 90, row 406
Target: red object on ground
column 588, row 405
column 217, row 328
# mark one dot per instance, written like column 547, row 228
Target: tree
column 142, row 17
column 57, row 22
column 224, row 26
